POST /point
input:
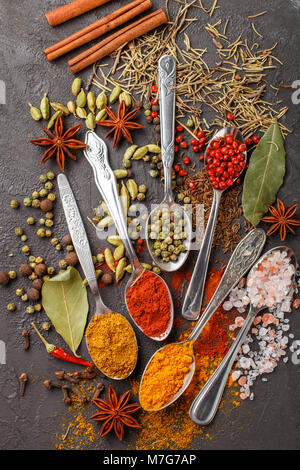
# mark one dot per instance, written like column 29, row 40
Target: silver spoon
column 97, row 155
column 205, row 405
column 167, row 83
column 193, row 299
column 243, row 257
column 82, row 248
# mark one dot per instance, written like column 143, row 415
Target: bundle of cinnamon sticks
column 99, row 28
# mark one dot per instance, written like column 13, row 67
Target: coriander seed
column 11, row 307
column 14, row 204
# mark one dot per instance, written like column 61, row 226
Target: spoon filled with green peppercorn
column 168, row 228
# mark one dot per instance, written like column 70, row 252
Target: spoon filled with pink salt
column 269, row 283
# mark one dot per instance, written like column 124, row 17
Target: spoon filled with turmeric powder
column 110, row 338
column 147, row 296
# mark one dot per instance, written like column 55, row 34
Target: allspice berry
column 33, row 294
column 67, row 240
column 25, row 270
column 72, row 258
column 46, row 205
column 4, row 278
column 37, row 284
column 40, row 269
column 107, row 278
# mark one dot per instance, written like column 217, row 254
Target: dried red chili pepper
column 60, row 353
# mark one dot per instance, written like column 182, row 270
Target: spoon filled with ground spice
column 171, row 369
column 168, row 228
column 225, row 159
column 147, row 296
column 110, row 338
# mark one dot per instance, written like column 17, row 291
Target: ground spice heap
column 165, row 375
column 227, row 228
column 149, row 304
column 112, row 344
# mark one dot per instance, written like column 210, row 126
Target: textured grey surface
column 272, row 420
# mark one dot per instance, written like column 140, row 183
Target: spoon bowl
column 231, row 353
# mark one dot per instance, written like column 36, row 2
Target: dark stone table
column 271, row 421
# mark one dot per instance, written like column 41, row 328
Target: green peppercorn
column 187, row 200
column 46, row 326
column 30, row 221
column 48, row 185
column 24, row 298
column 41, row 232
column 51, row 197
column 156, row 270
column 180, row 197
column 12, row 274
column 35, row 195
column 63, row 264
column 43, row 192
column 153, row 173
column 30, row 309
column 49, row 223
column 48, row 233
column 20, row 292
column 37, row 307
column 50, row 175
column 54, row 241
column 51, row 270
column 19, row 231
column 58, row 247
column 11, row 307
column 31, row 259
column 43, row 178
column 35, row 203
column 42, row 221
column 49, row 215
column 69, row 247
column 26, row 249
column 14, row 204
column 141, row 196
column 27, row 201
column 142, row 188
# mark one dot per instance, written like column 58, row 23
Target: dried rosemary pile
column 236, row 84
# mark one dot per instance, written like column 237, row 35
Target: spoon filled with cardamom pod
column 168, row 228
column 147, row 296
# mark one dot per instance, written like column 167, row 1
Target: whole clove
column 66, row 398
column 61, row 375
column 85, row 375
column 82, row 398
column 99, row 390
column 25, row 334
column 50, row 384
column 23, row 379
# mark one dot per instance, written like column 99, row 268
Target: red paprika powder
column 149, row 304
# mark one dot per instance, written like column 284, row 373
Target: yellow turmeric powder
column 165, row 374
column 112, row 344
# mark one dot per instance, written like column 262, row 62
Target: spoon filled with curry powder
column 147, row 296
column 110, row 338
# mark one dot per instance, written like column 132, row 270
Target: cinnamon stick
column 98, row 28
column 116, row 40
column 71, row 10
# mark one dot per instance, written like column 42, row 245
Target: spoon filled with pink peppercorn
column 225, row 159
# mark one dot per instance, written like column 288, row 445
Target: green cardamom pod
column 81, row 112
column 35, row 113
column 154, row 148
column 100, row 258
column 45, row 107
column 76, row 86
column 53, row 119
column 128, row 268
column 60, row 107
column 132, row 188
column 125, row 200
column 129, row 152
column 71, row 107
column 104, row 207
column 90, row 121
column 99, row 273
column 147, row 266
column 114, row 240
column 101, row 115
column 125, row 96
column 101, row 100
column 81, row 99
column 109, row 259
column 105, row 222
column 120, row 270
column 140, row 153
column 115, row 94
column 91, row 101
column 119, row 252
column 120, row 173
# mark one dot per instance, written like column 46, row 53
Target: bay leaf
column 65, row 302
column 264, row 175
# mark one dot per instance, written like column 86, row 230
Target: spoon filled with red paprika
column 147, row 296
column 225, row 159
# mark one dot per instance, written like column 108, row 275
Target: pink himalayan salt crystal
column 235, row 375
column 268, row 319
column 232, row 327
column 257, row 320
column 239, row 321
column 296, row 303
column 242, row 381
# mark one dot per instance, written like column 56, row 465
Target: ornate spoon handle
column 243, row 257
column 167, row 83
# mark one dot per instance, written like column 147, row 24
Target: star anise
column 115, row 413
column 281, row 219
column 120, row 123
column 59, row 143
